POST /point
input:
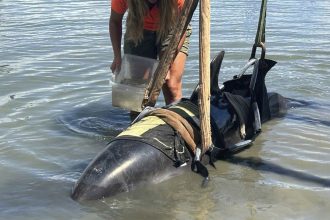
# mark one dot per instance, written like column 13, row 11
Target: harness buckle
column 254, row 49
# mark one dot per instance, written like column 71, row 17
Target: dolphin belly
column 122, row 166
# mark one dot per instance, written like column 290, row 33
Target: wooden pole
column 204, row 74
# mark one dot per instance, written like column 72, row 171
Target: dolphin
column 151, row 151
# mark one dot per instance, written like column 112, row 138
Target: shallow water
column 56, row 115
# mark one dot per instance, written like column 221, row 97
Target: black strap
column 242, row 109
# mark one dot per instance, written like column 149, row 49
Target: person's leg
column 172, row 88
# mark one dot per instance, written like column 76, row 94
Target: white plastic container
column 127, row 97
column 128, row 85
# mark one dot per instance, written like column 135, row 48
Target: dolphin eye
column 98, row 170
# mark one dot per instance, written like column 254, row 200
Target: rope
column 260, row 36
column 189, row 134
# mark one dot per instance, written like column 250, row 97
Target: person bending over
column 148, row 31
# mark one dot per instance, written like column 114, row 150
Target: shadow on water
column 95, row 119
column 309, row 120
column 262, row 165
column 296, row 103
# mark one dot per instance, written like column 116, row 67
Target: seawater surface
column 56, row 114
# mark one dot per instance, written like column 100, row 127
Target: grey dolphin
column 128, row 162
column 122, row 166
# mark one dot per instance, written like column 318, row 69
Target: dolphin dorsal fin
column 215, row 71
column 215, row 66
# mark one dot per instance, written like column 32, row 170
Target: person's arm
column 115, row 30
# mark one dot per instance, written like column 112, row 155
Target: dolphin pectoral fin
column 215, row 71
column 240, row 146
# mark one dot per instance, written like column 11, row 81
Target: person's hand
column 116, row 64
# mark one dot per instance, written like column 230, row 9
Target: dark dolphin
column 122, row 166
column 127, row 162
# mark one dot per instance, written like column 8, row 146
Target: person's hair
column 137, row 9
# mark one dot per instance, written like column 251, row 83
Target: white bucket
column 128, row 85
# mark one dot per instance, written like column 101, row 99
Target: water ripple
column 56, row 114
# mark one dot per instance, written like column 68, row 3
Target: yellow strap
column 142, row 126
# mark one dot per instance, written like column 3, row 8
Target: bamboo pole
column 204, row 74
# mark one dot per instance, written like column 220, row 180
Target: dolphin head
column 122, row 166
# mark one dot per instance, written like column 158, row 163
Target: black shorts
column 148, row 46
